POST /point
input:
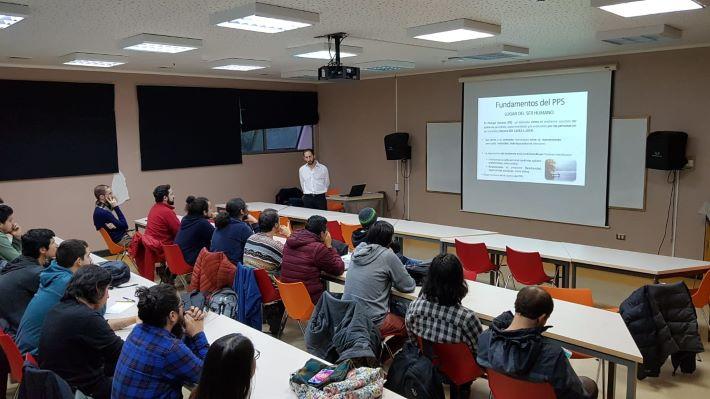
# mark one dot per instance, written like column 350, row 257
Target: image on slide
column 539, row 138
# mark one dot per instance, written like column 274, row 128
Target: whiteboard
column 627, row 160
column 627, row 163
column 443, row 157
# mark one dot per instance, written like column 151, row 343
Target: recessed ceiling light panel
column 160, row 44
column 11, row 14
column 322, row 51
column 642, row 35
column 239, row 64
column 385, row 65
column 266, row 18
column 630, row 8
column 92, row 60
column 493, row 53
column 454, row 31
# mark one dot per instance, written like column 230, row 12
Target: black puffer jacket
column 662, row 321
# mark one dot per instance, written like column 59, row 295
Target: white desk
column 435, row 232
column 355, row 204
column 257, row 206
column 302, row 214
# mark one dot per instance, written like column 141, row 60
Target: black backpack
column 413, row 375
column 120, row 272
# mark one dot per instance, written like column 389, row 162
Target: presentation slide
column 539, row 138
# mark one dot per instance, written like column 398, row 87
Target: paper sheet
column 119, row 307
column 119, row 188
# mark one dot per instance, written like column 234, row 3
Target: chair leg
column 603, row 379
column 183, row 281
column 301, row 327
column 284, row 318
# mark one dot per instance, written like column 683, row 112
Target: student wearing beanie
column 367, row 217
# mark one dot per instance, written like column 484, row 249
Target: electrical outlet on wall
column 621, row 237
column 396, row 187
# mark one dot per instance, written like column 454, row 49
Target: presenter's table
column 355, row 204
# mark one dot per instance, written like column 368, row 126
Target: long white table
column 257, row 206
column 596, row 332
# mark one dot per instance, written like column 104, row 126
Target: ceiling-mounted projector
column 335, row 70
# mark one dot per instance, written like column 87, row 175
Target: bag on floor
column 120, row 272
column 317, row 380
column 224, row 302
column 413, row 375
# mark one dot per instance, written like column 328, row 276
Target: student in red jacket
column 309, row 252
column 162, row 227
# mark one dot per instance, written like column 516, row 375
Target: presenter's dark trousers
column 315, row 201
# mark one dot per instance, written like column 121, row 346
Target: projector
column 338, row 72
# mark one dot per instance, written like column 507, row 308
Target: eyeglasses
column 256, row 354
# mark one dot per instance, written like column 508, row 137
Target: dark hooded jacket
column 305, row 257
column 195, row 233
column 527, row 355
column 19, row 281
column 662, row 320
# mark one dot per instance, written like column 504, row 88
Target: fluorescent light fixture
column 92, row 60
column 11, row 14
column 239, row 64
column 385, row 65
column 492, row 53
column 454, row 31
column 642, row 35
column 266, row 18
column 160, row 44
column 630, row 8
column 322, row 51
column 305, row 74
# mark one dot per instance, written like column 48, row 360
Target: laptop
column 356, row 190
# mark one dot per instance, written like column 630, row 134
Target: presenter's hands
column 328, row 240
column 16, row 231
column 194, row 321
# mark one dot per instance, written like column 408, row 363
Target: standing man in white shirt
column 314, row 182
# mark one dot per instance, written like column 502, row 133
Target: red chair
column 504, row 387
column 269, row 293
column 469, row 275
column 334, row 206
column 526, row 267
column 475, row 258
column 456, row 363
column 335, row 231
column 176, row 262
column 14, row 358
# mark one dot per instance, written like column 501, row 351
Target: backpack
column 120, row 272
column 3, row 263
column 413, row 375
column 224, row 302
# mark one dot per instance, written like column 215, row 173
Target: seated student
column 232, row 230
column 262, row 250
column 76, row 342
column 19, row 280
column 9, row 250
column 71, row 255
column 307, row 254
column 437, row 315
column 106, row 205
column 156, row 361
column 163, row 224
column 514, row 345
column 374, row 270
column 228, row 369
column 367, row 218
column 195, row 229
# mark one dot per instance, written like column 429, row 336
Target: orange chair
column 176, row 263
column 335, row 206
column 335, row 231
column 526, row 267
column 297, row 302
column 456, row 362
column 14, row 358
column 284, row 221
column 504, row 387
column 113, row 248
column 475, row 257
column 256, row 214
column 469, row 275
column 701, row 297
column 348, row 230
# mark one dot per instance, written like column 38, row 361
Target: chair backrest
column 504, row 387
column 701, row 297
column 113, row 248
column 526, row 267
column 266, row 287
column 580, row 296
column 13, row 356
column 284, row 221
column 175, row 260
column 296, row 300
column 469, row 275
column 455, row 361
column 332, row 191
column 348, row 230
column 334, row 229
column 474, row 256
column 256, row 214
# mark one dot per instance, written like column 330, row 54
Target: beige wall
column 671, row 87
column 66, row 204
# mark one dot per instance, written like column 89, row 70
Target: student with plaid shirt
column 155, row 361
column 437, row 315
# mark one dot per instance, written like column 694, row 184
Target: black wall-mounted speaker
column 397, row 146
column 666, row 150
